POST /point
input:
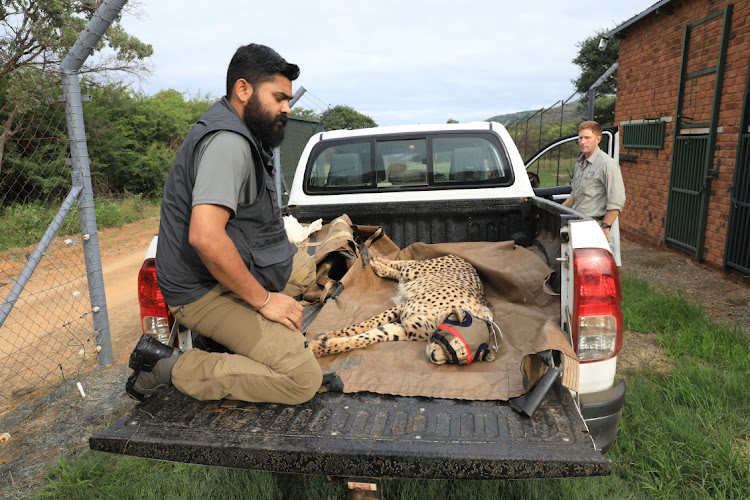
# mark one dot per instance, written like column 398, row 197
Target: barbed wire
column 313, row 102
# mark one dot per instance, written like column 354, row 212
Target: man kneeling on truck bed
column 225, row 265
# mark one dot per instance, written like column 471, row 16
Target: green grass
column 23, row 225
column 553, row 174
column 97, row 475
column 684, row 433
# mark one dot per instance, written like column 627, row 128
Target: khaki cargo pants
column 270, row 362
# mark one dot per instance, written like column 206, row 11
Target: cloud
column 396, row 61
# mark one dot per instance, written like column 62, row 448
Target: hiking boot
column 152, row 364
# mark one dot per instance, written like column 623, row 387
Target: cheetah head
column 462, row 339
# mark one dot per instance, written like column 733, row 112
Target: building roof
column 637, row 18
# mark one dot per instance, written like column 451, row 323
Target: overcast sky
column 398, row 62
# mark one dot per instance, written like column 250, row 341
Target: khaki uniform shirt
column 597, row 185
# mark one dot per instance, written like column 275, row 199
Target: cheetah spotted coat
column 428, row 292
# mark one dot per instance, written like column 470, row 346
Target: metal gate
column 737, row 253
column 695, row 131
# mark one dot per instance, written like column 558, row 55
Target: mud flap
column 528, row 403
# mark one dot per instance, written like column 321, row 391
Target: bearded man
column 224, row 263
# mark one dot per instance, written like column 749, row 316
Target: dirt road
column 122, row 256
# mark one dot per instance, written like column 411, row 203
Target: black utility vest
column 257, row 229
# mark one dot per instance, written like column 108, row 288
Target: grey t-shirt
column 224, row 171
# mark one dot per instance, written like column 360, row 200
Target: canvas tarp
column 527, row 314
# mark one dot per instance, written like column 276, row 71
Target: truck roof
column 404, row 129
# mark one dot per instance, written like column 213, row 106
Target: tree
column 594, row 63
column 306, row 114
column 346, row 118
column 35, row 36
column 339, row 117
column 133, row 139
column 38, row 33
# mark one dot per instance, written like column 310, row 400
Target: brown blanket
column 528, row 316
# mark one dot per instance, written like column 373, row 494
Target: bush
column 25, row 224
column 108, row 214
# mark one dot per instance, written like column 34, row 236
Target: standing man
column 597, row 187
column 223, row 253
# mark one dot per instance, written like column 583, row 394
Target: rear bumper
column 601, row 411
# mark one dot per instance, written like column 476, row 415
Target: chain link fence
column 53, row 320
column 48, row 334
column 533, row 130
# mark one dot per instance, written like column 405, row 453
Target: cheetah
column 429, row 291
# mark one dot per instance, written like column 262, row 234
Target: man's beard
column 269, row 130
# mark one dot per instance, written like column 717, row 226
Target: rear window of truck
column 407, row 163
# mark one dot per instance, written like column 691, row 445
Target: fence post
column 541, row 122
column 87, row 40
column 596, row 85
column 526, row 139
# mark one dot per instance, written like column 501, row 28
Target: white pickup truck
column 432, row 184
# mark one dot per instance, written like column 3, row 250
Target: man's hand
column 609, row 218
column 283, row 309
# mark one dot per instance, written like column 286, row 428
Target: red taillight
column 597, row 313
column 156, row 320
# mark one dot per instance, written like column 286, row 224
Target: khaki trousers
column 270, row 363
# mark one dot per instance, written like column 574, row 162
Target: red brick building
column 683, row 110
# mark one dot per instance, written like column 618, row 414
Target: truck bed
column 373, row 435
column 449, row 220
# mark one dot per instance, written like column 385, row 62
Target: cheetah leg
column 388, row 316
column 384, row 268
column 324, row 346
column 389, row 268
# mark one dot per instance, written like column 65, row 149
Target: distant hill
column 574, row 112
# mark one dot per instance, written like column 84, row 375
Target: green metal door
column 698, row 99
column 737, row 253
column 686, row 209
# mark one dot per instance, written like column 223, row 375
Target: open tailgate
column 364, row 434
